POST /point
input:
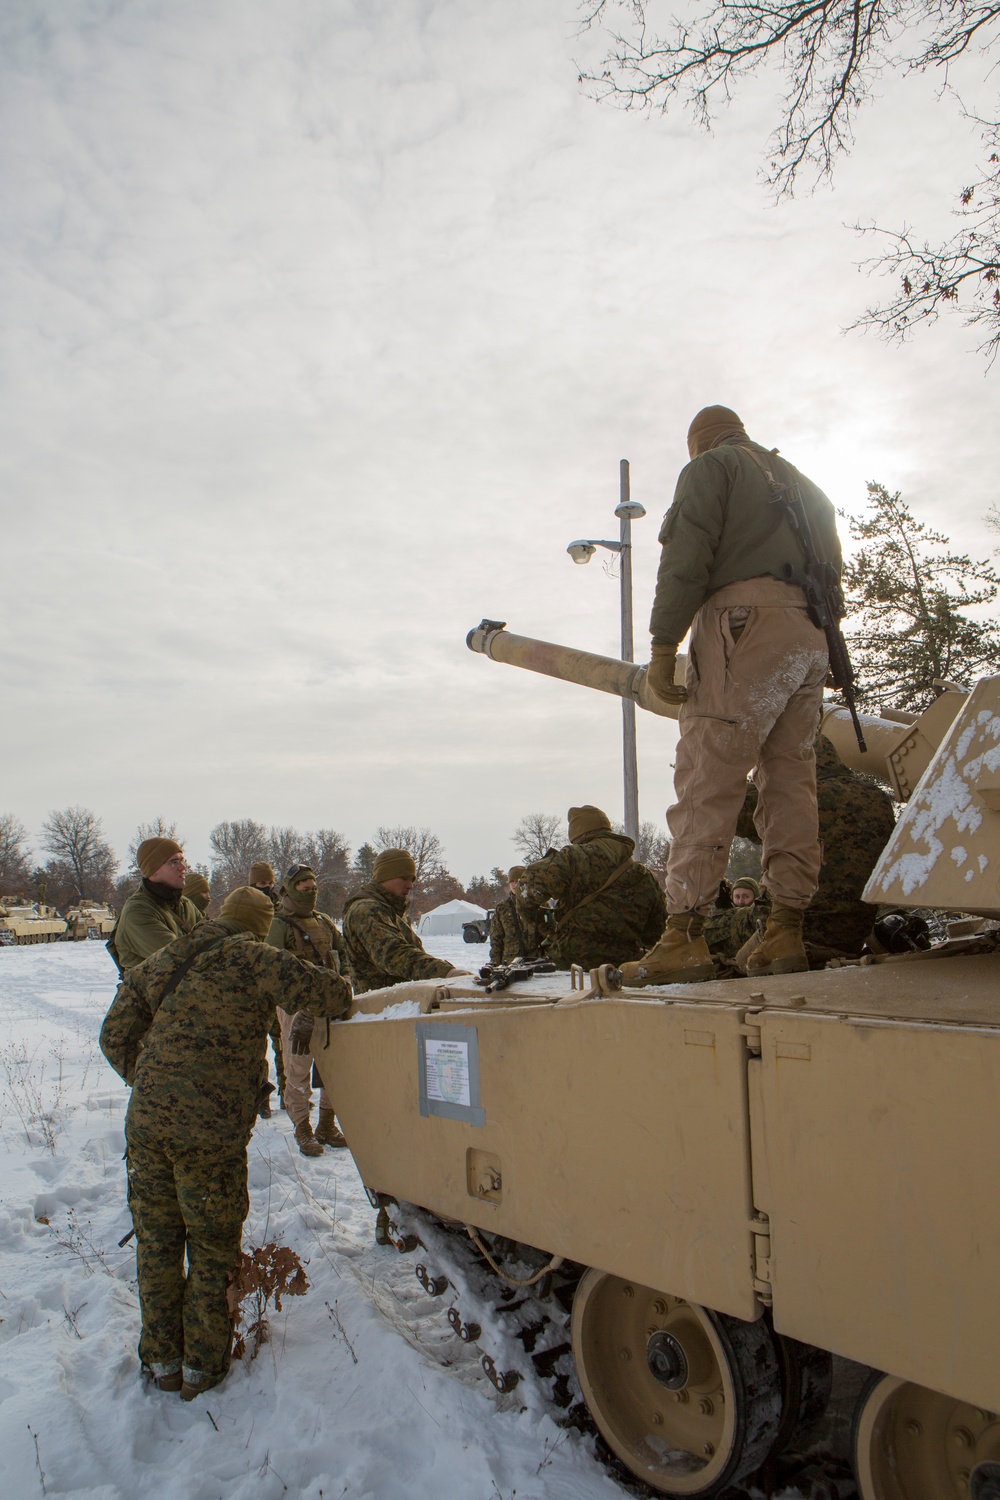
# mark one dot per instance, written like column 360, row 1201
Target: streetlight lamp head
column 630, row 510
column 581, row 552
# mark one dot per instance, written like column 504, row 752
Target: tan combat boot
column 328, row 1133
column 307, row 1142
column 680, row 957
column 781, row 949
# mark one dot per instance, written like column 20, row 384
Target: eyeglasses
column 178, row 860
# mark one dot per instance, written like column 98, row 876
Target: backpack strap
column 182, row 968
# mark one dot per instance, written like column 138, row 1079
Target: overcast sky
column 326, row 324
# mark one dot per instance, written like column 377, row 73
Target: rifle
column 821, row 586
column 498, row 976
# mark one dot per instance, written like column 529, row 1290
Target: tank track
column 522, row 1339
column 521, row 1335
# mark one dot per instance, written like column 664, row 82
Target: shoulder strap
column 788, row 496
column 297, row 927
column 618, row 870
column 182, row 968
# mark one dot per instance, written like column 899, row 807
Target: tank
column 29, row 922
column 90, row 919
column 746, row 1177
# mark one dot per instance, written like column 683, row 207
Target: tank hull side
column 614, row 1133
column 878, row 1170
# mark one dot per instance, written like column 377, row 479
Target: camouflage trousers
column 186, row 1200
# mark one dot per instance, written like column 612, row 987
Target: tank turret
column 943, row 763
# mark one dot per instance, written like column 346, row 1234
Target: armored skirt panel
column 617, row 1131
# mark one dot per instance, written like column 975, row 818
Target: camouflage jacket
column 513, row 934
column 147, row 924
column 313, row 936
column 728, row 928
column 195, row 1062
column 382, row 947
column 618, row 925
column 856, row 819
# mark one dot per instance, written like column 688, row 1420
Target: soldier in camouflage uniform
column 513, row 934
column 158, row 912
column 262, row 879
column 189, row 1038
column 856, row 819
column 727, row 928
column 382, row 947
column 608, row 907
column 299, row 928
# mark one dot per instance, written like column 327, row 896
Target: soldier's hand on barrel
column 660, row 674
column 301, row 1033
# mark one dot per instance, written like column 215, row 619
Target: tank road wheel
column 910, row 1443
column 687, row 1398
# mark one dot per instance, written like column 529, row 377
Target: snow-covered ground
column 362, row 1391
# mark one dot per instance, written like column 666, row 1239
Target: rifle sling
column 783, row 495
column 618, row 870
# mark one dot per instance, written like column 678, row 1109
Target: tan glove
column 660, row 674
column 459, row 974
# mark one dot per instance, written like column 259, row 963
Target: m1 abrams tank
column 752, row 1174
column 22, row 922
column 90, row 919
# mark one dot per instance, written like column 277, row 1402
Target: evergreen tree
column 906, row 600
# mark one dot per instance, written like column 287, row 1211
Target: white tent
column 448, row 919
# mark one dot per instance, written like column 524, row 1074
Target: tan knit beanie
column 712, row 423
column 586, row 819
column 747, row 883
column 196, row 885
column 261, row 874
column 393, row 863
column 152, row 853
column 251, row 909
column 515, row 872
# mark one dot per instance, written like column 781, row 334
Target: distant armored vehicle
column 23, row 922
column 477, row 931
column 750, row 1174
column 90, row 919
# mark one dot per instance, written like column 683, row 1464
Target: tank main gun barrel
column 900, row 746
column 605, row 674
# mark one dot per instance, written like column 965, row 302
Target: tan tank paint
column 23, row 923
column 90, row 919
column 945, row 851
column 819, row 1145
column 605, row 674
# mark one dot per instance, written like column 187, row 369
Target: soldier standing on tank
column 381, row 944
column 513, row 934
column 196, row 889
column 607, row 906
column 158, row 911
column 200, row 1009
column 299, row 928
column 262, row 879
column 757, row 666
